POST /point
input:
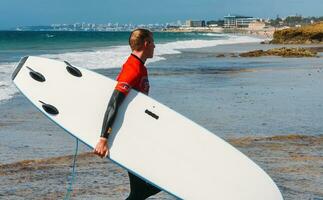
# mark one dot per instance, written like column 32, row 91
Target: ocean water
column 93, row 50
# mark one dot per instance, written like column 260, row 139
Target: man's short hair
column 137, row 38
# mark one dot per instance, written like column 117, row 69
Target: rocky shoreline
column 310, row 34
column 304, row 41
column 284, row 52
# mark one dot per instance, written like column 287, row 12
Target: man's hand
column 101, row 148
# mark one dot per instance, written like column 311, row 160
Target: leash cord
column 72, row 179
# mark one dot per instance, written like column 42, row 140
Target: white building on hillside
column 237, row 21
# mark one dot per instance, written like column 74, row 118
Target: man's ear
column 146, row 43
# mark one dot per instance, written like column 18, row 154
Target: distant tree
column 293, row 20
column 275, row 22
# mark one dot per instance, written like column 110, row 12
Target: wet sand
column 233, row 50
column 295, row 162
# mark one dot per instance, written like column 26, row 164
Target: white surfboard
column 151, row 140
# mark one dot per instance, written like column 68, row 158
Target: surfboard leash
column 73, row 175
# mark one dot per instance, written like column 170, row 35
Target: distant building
column 212, row 23
column 256, row 25
column 172, row 26
column 237, row 21
column 191, row 23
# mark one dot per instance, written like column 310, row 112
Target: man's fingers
column 96, row 152
column 101, row 150
column 101, row 153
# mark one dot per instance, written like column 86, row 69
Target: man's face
column 150, row 46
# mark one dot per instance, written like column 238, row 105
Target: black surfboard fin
column 73, row 70
column 50, row 109
column 36, row 75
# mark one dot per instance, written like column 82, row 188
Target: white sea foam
column 113, row 57
column 212, row 34
column 7, row 89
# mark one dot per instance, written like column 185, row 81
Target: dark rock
column 284, row 52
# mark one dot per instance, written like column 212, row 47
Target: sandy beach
column 294, row 162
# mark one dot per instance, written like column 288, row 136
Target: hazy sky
column 43, row 12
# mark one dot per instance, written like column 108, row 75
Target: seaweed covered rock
column 310, row 34
column 284, row 52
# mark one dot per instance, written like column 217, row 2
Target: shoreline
column 292, row 161
column 233, row 50
column 263, row 33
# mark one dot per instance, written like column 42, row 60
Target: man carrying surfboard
column 133, row 75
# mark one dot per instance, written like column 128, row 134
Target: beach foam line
column 114, row 57
column 7, row 89
column 212, row 34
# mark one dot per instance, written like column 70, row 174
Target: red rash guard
column 133, row 75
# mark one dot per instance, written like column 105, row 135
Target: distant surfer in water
column 133, row 75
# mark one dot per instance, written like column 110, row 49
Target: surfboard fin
column 73, row 70
column 50, row 109
column 36, row 75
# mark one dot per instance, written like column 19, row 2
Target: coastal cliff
column 310, row 34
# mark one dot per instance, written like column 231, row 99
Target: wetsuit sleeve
column 127, row 78
column 111, row 112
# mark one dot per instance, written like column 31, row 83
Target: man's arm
column 116, row 99
column 127, row 78
column 111, row 112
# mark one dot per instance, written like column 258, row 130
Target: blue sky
column 43, row 12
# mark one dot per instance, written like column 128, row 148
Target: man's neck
column 140, row 55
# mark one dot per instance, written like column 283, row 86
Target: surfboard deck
column 149, row 139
